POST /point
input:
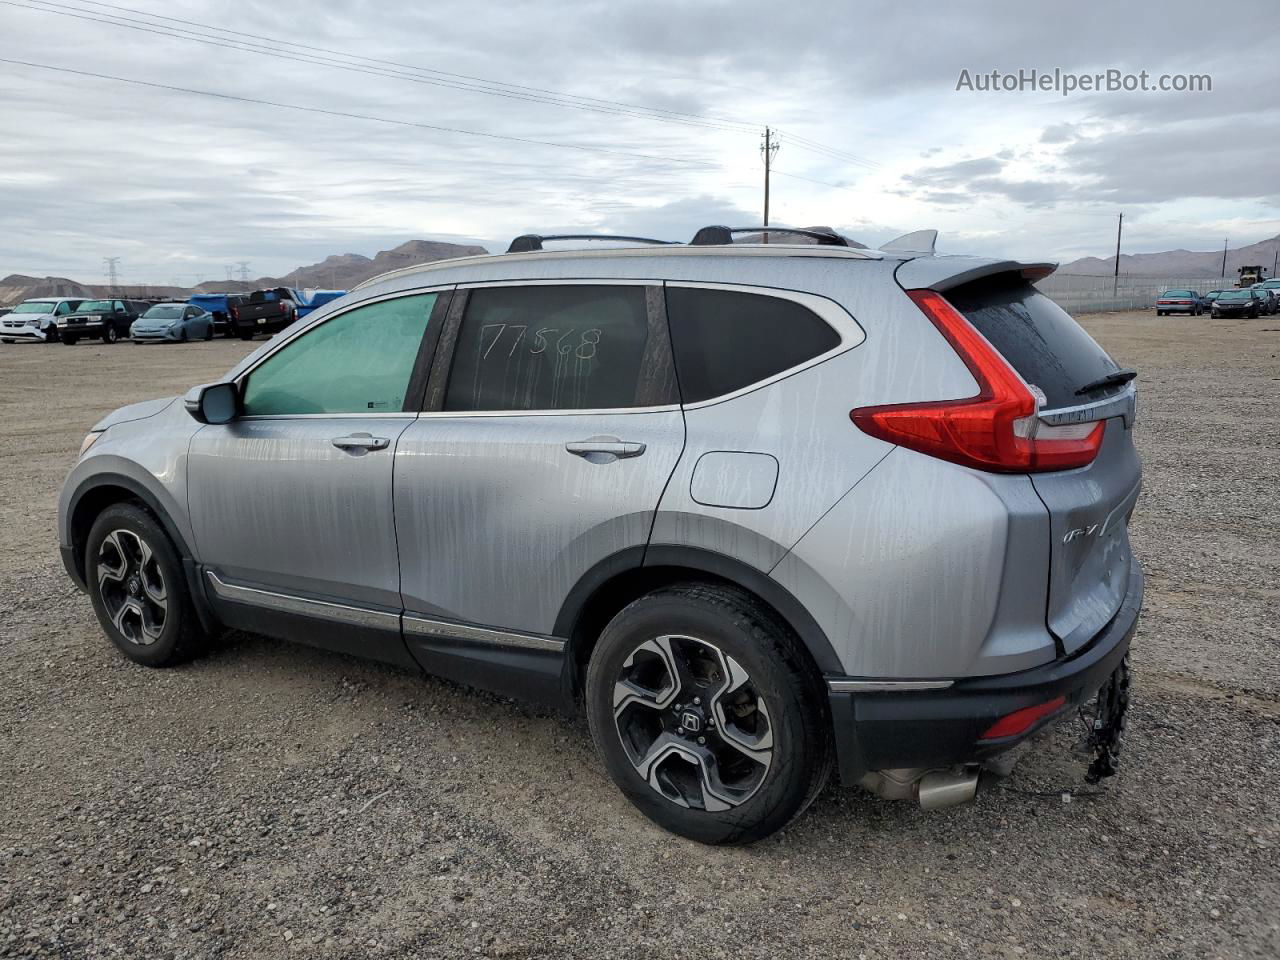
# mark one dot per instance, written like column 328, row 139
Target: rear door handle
column 598, row 448
column 361, row 441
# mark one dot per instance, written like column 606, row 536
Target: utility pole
column 1224, row 257
column 1275, row 262
column 1115, row 284
column 768, row 150
column 111, row 264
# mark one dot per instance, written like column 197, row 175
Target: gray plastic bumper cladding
column 939, row 728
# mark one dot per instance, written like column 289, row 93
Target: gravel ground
column 276, row 801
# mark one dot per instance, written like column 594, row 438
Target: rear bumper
column 894, row 728
column 1176, row 308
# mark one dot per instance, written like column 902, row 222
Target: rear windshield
column 1178, row 293
column 1036, row 336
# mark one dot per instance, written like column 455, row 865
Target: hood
column 134, row 411
column 27, row 317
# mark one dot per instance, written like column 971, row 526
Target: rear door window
column 560, row 347
column 1039, row 339
column 725, row 340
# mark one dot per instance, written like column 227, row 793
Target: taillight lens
column 1020, row 721
column 998, row 429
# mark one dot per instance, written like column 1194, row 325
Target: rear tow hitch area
column 1106, row 724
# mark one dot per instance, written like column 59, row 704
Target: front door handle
column 361, row 441
column 604, row 449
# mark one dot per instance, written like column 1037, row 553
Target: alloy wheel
column 693, row 723
column 132, row 587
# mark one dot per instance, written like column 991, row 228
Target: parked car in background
column 37, row 319
column 266, row 311
column 175, row 322
column 1179, row 301
column 1237, row 303
column 105, row 320
column 314, row 299
column 1268, row 297
column 4, row 310
column 219, row 305
column 1209, row 297
column 608, row 505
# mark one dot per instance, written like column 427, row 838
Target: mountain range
column 344, row 271
column 1180, row 264
column 335, row 272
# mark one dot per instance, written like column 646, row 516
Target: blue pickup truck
column 219, row 304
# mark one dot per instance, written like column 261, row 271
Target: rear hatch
column 1089, row 507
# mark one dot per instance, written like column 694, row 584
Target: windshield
column 1236, row 295
column 164, row 311
column 35, row 307
column 94, row 306
column 1271, row 285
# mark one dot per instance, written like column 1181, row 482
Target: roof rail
column 716, row 236
column 532, row 241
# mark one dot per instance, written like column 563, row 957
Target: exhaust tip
column 944, row 788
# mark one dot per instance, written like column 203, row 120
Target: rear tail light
column 999, row 429
column 1020, row 721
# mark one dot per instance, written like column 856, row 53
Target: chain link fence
column 1078, row 293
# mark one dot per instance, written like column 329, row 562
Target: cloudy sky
column 646, row 117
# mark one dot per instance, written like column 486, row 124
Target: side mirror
column 213, row 402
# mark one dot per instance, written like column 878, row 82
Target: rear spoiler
column 945, row 273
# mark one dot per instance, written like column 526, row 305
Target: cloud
column 179, row 186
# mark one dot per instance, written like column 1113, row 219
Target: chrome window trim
column 398, row 415
column 829, row 311
column 305, row 606
column 600, row 412
column 886, row 686
column 420, row 626
column 1123, row 404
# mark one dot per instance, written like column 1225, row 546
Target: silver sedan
column 173, row 321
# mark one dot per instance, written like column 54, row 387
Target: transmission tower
column 230, row 272
column 110, row 265
column 243, row 271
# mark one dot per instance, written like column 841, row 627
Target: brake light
column 998, row 429
column 1020, row 721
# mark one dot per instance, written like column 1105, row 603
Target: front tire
column 110, row 335
column 70, row 341
column 138, row 590
column 708, row 713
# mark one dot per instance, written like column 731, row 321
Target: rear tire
column 208, row 333
column 720, row 733
column 138, row 589
column 70, row 341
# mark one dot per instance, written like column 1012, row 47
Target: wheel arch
column 103, row 490
column 625, row 576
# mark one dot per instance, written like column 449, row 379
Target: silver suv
column 757, row 509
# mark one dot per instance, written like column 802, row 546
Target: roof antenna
column 920, row 241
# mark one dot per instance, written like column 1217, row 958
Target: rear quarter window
column 1037, row 337
column 726, row 340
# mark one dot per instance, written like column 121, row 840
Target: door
column 554, row 430
column 291, row 502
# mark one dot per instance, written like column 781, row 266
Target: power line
column 362, row 116
column 271, row 49
column 425, row 75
